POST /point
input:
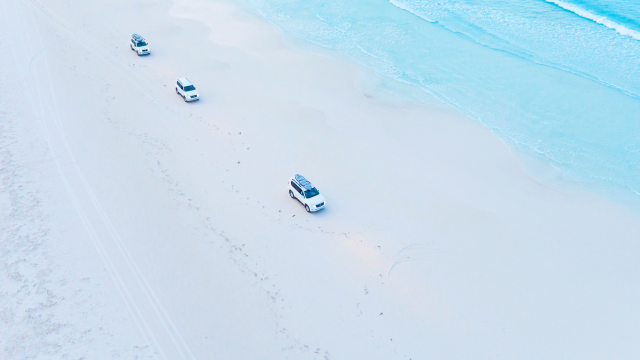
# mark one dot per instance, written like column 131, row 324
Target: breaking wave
column 602, row 20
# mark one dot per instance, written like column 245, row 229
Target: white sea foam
column 623, row 30
column 407, row 8
column 366, row 52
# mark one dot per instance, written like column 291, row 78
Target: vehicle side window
column 180, row 85
column 296, row 187
column 133, row 42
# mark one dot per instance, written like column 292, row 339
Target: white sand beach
column 134, row 225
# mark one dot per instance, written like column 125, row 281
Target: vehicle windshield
column 142, row 43
column 311, row 193
column 189, row 88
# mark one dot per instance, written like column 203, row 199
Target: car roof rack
column 304, row 182
column 137, row 37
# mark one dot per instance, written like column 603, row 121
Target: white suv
column 302, row 190
column 139, row 45
column 185, row 88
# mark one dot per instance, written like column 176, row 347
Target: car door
column 180, row 89
column 298, row 192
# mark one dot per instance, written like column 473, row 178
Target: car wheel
column 185, row 98
column 177, row 91
column 306, row 207
column 291, row 194
column 131, row 46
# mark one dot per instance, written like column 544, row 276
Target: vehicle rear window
column 189, row 88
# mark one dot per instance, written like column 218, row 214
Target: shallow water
column 557, row 79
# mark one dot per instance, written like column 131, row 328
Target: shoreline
column 614, row 186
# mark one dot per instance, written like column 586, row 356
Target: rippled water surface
column 554, row 78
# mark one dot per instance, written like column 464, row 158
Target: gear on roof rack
column 304, row 182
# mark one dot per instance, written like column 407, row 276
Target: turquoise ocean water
column 556, row 79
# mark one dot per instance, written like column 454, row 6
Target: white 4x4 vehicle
column 139, row 45
column 185, row 88
column 302, row 190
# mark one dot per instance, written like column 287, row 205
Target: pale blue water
column 557, row 79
